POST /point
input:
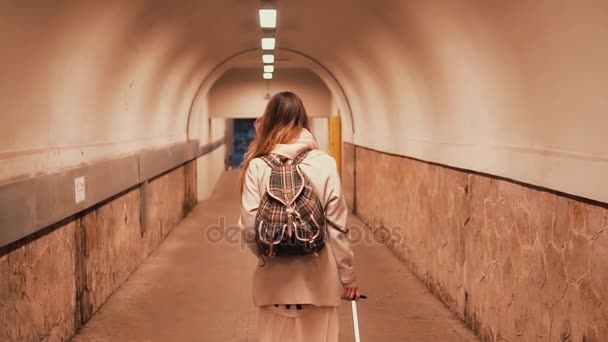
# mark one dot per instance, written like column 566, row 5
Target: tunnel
column 469, row 135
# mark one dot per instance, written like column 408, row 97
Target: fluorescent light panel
column 267, row 75
column 268, row 59
column 268, row 18
column 268, row 68
column 268, row 43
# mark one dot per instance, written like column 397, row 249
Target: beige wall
column 87, row 81
column 240, row 92
column 335, row 105
column 211, row 165
column 320, row 129
column 209, row 169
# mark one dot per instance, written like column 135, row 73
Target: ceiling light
column 267, row 76
column 268, row 18
column 268, row 68
column 268, row 59
column 268, row 43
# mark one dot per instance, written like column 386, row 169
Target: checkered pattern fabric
column 290, row 219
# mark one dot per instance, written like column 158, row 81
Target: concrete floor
column 191, row 289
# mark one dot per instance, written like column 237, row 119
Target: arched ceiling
column 284, row 59
column 437, row 80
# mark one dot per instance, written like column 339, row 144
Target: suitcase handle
column 361, row 296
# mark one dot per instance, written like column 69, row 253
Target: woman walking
column 293, row 218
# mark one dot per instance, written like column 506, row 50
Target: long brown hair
column 281, row 123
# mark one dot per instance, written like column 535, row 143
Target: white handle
column 356, row 321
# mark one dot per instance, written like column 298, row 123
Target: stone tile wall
column 514, row 262
column 52, row 285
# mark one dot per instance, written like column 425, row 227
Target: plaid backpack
column 290, row 220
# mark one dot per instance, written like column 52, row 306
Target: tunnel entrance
column 244, row 132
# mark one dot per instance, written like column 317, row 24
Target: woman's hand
column 351, row 291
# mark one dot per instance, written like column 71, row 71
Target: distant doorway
column 244, row 132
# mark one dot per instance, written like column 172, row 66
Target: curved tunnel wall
column 510, row 90
column 94, row 80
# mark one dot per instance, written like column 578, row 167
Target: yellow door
column 335, row 140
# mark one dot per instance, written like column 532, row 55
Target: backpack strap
column 297, row 160
column 274, row 161
column 271, row 160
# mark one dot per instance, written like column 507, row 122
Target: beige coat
column 310, row 279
